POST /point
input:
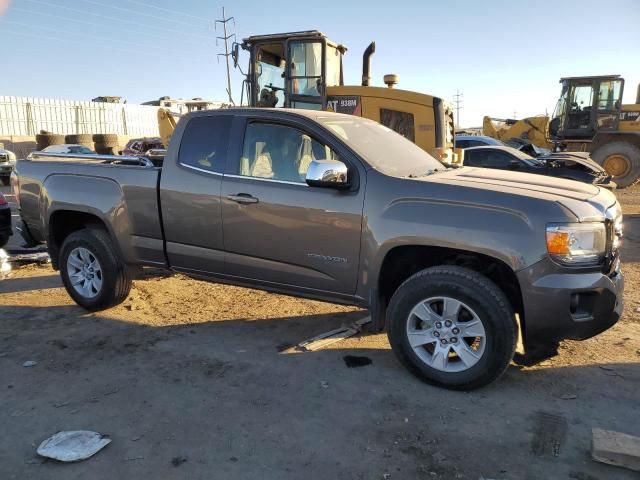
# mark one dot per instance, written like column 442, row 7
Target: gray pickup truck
column 462, row 266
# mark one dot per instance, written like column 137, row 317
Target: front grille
column 4, row 157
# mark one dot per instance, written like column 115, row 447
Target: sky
column 504, row 57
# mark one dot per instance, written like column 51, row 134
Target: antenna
column 457, row 100
column 226, row 53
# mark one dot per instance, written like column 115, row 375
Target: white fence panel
column 28, row 115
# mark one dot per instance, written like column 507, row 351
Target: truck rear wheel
column 452, row 327
column 92, row 271
column 621, row 160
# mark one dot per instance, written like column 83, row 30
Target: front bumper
column 561, row 304
column 5, row 169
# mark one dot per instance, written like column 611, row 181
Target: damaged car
column 576, row 166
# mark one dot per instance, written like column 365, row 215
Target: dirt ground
column 190, row 381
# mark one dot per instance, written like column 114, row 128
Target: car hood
column 582, row 158
column 578, row 197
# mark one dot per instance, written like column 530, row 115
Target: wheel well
column 402, row 262
column 63, row 223
column 602, row 139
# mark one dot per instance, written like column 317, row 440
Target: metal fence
column 28, row 115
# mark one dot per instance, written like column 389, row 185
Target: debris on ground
column 5, row 266
column 615, row 448
column 354, row 361
column 324, row 384
column 332, row 336
column 569, row 396
column 30, row 363
column 29, row 257
column 73, row 446
column 177, row 461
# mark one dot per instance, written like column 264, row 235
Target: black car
column 570, row 165
column 5, row 221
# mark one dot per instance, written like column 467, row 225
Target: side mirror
column 327, row 174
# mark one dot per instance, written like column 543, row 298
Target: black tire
column 80, row 138
column 477, row 292
column 106, row 149
column 45, row 140
column 116, row 278
column 106, row 138
column 4, row 239
column 628, row 153
column 5, row 180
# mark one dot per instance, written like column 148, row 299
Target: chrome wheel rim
column 84, row 272
column 446, row 334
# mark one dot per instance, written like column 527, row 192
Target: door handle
column 243, row 198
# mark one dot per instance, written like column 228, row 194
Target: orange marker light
column 558, row 242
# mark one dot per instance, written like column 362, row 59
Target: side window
column 204, row 143
column 278, row 152
column 498, row 160
column 399, row 122
column 475, row 158
column 462, row 143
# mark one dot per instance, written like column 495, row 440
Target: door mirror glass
column 327, row 173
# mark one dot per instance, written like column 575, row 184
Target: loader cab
column 292, row 70
column 586, row 105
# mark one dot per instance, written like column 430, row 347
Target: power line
column 95, row 24
column 128, row 10
column 104, row 39
column 116, row 19
column 108, row 47
column 175, row 12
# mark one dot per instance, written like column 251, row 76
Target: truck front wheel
column 92, row 271
column 452, row 327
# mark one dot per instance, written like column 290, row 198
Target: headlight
column 579, row 244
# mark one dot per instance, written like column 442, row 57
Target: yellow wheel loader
column 588, row 117
column 304, row 70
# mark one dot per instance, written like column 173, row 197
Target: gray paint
column 319, row 242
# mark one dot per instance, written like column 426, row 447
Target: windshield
column 526, row 157
column 381, row 147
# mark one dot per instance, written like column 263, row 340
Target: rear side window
column 205, row 143
column 462, row 144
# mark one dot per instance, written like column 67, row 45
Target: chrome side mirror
column 327, row 174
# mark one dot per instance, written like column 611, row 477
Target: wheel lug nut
column 443, row 341
column 447, row 323
column 436, row 334
column 454, row 340
column 438, row 324
column 455, row 331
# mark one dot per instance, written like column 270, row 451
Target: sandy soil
column 190, row 381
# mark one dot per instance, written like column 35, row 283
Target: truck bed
column 122, row 192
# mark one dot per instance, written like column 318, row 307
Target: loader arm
column 166, row 125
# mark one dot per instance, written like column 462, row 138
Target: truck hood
column 580, row 198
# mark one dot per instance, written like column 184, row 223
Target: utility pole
column 226, row 53
column 457, row 100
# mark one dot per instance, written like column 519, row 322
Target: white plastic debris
column 5, row 266
column 73, row 446
column 30, row 363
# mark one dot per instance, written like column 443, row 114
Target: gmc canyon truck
column 461, row 266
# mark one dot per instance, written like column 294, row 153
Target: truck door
column 305, row 86
column 279, row 230
column 190, row 195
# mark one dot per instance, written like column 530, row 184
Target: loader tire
column 621, row 160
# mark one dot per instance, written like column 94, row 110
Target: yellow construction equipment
column 588, row 117
column 304, row 70
column 166, row 125
column 532, row 129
